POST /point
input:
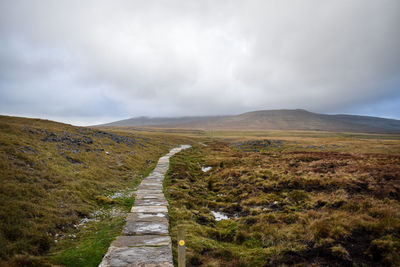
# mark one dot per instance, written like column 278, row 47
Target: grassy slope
column 52, row 175
column 328, row 200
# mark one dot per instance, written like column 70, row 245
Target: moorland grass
column 53, row 176
column 288, row 205
column 319, row 198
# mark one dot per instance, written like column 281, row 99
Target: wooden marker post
column 181, row 247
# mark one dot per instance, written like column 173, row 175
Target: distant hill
column 297, row 119
column 146, row 121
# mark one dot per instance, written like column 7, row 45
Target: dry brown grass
column 289, row 204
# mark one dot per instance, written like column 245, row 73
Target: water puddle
column 219, row 216
column 206, row 169
column 148, row 215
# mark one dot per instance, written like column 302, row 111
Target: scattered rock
column 321, row 146
column 257, row 145
column 66, row 138
column 84, row 131
column 116, row 138
column 28, row 150
column 29, row 130
column 72, row 160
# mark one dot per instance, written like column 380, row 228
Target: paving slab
column 150, row 209
column 142, row 240
column 138, row 257
column 140, row 216
column 151, row 202
column 153, row 179
column 150, row 187
column 149, row 196
column 151, row 184
column 145, row 240
column 148, row 192
column 161, row 170
column 162, row 167
column 147, row 217
column 159, row 173
column 145, row 228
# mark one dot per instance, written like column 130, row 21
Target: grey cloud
column 115, row 59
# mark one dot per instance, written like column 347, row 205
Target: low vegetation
column 294, row 198
column 327, row 200
column 64, row 190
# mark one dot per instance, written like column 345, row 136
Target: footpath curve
column 145, row 239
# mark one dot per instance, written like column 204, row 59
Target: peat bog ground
column 294, row 199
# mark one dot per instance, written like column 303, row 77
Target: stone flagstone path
column 145, row 240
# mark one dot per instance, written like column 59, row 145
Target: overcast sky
column 87, row 62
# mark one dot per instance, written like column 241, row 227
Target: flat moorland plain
column 288, row 198
column 65, row 190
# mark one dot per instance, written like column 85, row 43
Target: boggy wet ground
column 303, row 208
